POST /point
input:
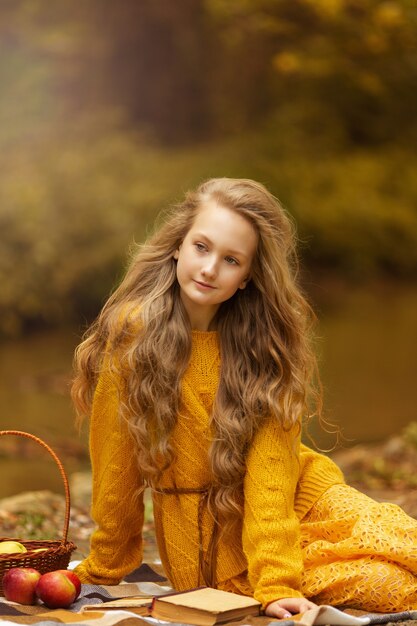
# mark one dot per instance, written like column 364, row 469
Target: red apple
column 73, row 578
column 19, row 584
column 56, row 590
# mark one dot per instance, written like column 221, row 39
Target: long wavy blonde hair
column 268, row 367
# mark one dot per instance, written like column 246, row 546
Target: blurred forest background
column 111, row 110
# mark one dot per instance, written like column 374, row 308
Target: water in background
column 368, row 360
column 35, row 374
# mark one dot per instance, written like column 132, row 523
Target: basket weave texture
column 55, row 554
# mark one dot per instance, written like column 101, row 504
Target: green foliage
column 350, row 61
column 69, row 211
column 356, row 212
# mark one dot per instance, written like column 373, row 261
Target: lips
column 204, row 285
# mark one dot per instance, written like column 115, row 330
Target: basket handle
column 61, row 469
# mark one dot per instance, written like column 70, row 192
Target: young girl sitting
column 196, row 377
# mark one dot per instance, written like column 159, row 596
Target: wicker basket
column 55, row 554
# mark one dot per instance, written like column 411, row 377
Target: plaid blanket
column 143, row 581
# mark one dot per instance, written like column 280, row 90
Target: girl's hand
column 285, row 607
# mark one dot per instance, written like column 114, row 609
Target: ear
column 176, row 254
column 244, row 282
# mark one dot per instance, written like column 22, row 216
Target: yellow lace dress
column 358, row 552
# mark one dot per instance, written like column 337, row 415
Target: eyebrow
column 233, row 252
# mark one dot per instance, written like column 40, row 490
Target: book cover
column 204, row 606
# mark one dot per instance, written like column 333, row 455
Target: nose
column 209, row 269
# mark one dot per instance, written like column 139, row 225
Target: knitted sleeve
column 117, row 509
column 271, row 533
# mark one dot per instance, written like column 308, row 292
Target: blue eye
column 231, row 260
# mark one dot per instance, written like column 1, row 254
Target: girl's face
column 214, row 261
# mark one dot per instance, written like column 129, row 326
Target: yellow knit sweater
column 283, row 481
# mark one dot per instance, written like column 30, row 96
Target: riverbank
column 384, row 471
column 40, row 515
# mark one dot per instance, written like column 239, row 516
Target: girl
column 196, row 375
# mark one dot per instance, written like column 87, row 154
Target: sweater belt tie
column 206, row 565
